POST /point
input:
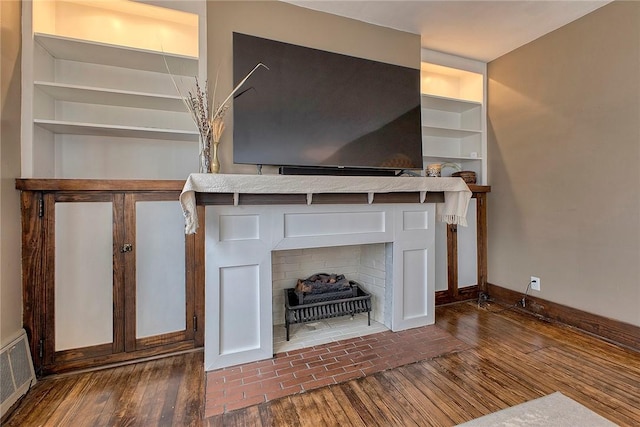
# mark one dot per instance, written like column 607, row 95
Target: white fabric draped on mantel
column 452, row 211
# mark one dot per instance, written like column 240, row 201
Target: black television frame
column 367, row 113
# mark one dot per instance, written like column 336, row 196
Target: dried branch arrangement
column 208, row 117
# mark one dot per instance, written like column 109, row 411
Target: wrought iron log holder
column 314, row 307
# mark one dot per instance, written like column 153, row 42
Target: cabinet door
column 468, row 250
column 81, row 321
column 159, row 300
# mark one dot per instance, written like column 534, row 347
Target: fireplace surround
column 238, row 276
column 239, row 239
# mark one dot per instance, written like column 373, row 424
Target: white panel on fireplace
column 237, row 298
column 239, row 288
column 415, row 220
column 239, row 309
column 333, row 223
column 413, row 294
column 415, row 298
column 239, row 227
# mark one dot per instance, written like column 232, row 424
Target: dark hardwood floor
column 513, row 358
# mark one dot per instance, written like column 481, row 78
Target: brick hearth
column 309, row 368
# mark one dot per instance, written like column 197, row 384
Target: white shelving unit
column 453, row 113
column 77, row 128
column 454, row 131
column 108, row 94
column 122, row 98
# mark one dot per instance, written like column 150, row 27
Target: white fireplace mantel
column 239, row 240
column 452, row 211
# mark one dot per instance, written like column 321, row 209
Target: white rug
column 554, row 410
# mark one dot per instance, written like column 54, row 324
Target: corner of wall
column 10, row 225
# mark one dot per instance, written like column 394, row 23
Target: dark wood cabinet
column 108, row 274
column 453, row 292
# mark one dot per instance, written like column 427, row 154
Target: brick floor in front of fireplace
column 305, row 369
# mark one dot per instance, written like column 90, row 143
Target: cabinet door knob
column 127, row 247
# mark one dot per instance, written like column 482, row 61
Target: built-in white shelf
column 431, row 158
column 448, row 132
column 453, row 112
column 75, row 128
column 118, row 56
column 452, row 105
column 113, row 97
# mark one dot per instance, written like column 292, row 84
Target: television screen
column 317, row 108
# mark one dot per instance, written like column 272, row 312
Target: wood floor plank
column 348, row 409
column 443, row 410
column 565, row 335
column 172, row 380
column 397, row 404
column 89, row 409
column 369, row 411
column 102, row 397
column 483, row 326
column 154, row 397
column 266, row 416
column 473, row 380
column 452, row 386
column 342, row 415
column 248, row 417
column 309, row 412
column 284, row 413
column 129, row 404
column 524, row 369
column 428, row 410
column 616, row 379
column 585, row 388
column 189, row 400
column 54, row 399
column 39, row 397
column 510, row 357
column 518, row 392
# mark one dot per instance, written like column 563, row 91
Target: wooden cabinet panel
column 108, row 277
column 160, row 266
column 83, row 294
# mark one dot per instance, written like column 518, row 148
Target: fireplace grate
column 356, row 301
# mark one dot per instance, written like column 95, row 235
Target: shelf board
column 448, row 132
column 452, row 105
column 119, row 56
column 428, row 156
column 75, row 128
column 119, row 98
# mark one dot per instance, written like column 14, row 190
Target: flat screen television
column 314, row 108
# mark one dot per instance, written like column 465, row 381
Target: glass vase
column 205, row 154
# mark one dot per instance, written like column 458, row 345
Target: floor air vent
column 16, row 372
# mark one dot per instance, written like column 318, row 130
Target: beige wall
column 564, row 154
column 292, row 24
column 10, row 286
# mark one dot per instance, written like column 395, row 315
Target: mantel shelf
column 45, row 184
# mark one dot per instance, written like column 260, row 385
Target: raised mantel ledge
column 453, row 211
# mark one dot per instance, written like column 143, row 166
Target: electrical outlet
column 535, row 283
